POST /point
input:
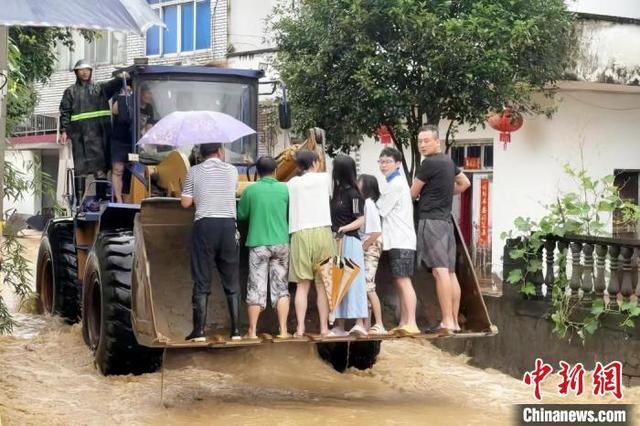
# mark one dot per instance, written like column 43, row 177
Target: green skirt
column 308, row 247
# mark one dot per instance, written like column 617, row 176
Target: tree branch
column 398, row 145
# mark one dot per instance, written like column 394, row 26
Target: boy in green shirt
column 265, row 205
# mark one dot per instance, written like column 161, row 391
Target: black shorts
column 436, row 244
column 120, row 151
column 403, row 262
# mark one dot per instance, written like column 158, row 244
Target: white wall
column 609, row 52
column 529, row 173
column 620, row 8
column 30, row 203
column 247, row 23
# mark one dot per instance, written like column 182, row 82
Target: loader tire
column 343, row 355
column 106, row 323
column 59, row 290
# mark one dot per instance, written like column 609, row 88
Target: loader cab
column 160, row 90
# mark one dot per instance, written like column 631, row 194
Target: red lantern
column 384, row 134
column 506, row 122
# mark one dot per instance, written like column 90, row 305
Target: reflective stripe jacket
column 86, row 117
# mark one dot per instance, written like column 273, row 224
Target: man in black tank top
column 437, row 181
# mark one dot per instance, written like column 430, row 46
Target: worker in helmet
column 85, row 118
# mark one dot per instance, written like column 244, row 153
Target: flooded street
column 47, row 377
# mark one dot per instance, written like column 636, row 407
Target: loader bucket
column 162, row 285
column 162, row 288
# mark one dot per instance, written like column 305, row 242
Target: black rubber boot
column 199, row 302
column 234, row 315
column 101, row 191
column 101, row 187
column 79, row 182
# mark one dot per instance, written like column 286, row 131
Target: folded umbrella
column 330, row 272
column 186, row 128
column 350, row 271
column 337, row 274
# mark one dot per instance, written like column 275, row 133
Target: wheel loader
column 122, row 269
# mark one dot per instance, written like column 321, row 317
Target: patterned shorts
column 268, row 264
column 371, row 259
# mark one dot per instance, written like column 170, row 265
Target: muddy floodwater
column 47, row 377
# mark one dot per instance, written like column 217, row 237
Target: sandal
column 249, row 339
column 406, row 331
column 378, row 329
column 440, row 330
column 284, row 336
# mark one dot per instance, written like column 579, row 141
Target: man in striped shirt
column 211, row 186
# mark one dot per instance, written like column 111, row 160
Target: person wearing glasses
column 399, row 236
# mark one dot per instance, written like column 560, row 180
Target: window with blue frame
column 188, row 27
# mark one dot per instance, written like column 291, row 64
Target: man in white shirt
column 399, row 236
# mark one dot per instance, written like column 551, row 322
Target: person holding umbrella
column 211, row 186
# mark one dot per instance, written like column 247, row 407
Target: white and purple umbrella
column 186, row 128
column 133, row 16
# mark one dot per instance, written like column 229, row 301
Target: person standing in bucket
column 211, row 186
column 347, row 217
column 399, row 236
column 436, row 182
column 311, row 237
column 265, row 204
column 85, row 118
column 370, row 234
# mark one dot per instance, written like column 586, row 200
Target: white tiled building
column 114, row 50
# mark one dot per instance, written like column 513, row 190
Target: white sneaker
column 358, row 330
column 338, row 332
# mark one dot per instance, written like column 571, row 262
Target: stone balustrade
column 591, row 268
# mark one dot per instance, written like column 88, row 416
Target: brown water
column 47, row 377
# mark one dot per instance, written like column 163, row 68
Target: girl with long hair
column 347, row 217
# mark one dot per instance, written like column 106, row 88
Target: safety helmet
column 82, row 64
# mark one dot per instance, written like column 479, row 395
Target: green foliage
column 14, row 266
column 351, row 65
column 584, row 212
column 16, row 275
column 32, row 59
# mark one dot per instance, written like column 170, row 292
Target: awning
column 116, row 15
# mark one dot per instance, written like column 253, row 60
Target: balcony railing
column 593, row 268
column 37, row 124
